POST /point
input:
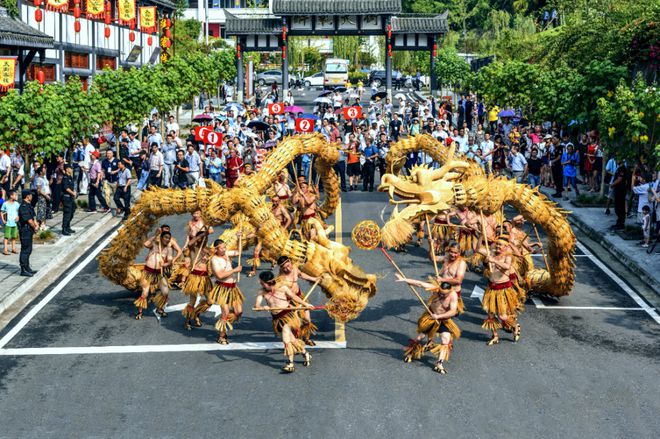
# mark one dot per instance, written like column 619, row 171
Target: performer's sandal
column 138, row 316
column 252, row 273
column 439, row 368
column 494, row 340
column 516, row 333
column 222, row 339
column 407, row 359
column 161, row 312
column 288, row 368
column 307, row 359
column 309, row 342
column 197, row 323
column 186, row 325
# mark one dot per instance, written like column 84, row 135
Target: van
column 335, row 73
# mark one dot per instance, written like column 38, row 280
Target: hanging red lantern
column 284, row 31
column 107, row 19
column 37, row 3
column 168, row 43
column 238, row 51
column 168, row 33
column 76, row 11
column 106, row 32
column 131, row 36
column 389, row 50
column 76, row 26
column 435, row 50
column 150, row 40
column 168, row 22
column 283, row 52
column 389, row 31
column 41, row 77
column 38, row 15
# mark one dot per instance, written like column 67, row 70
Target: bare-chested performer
column 198, row 281
column 306, row 202
column 225, row 292
column 284, row 218
column 500, row 299
column 167, row 272
column 453, row 271
column 285, row 322
column 288, row 276
column 282, row 190
column 158, row 258
column 468, row 235
column 443, row 305
column 195, row 225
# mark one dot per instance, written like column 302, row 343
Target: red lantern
column 168, row 33
column 38, row 15
column 150, row 40
column 168, row 43
column 76, row 11
column 389, row 50
column 238, row 51
column 107, row 7
column 389, row 31
column 106, row 32
column 284, row 30
column 435, row 50
column 107, row 19
column 37, row 3
column 76, row 26
column 131, row 36
column 41, row 77
column 283, row 52
column 168, row 22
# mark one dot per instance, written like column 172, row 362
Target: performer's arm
column 415, row 282
column 502, row 265
column 453, row 310
column 295, row 298
column 308, row 277
column 257, row 303
column 288, row 222
column 177, row 250
column 149, row 243
column 460, row 274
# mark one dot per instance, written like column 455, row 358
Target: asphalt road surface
column 76, row 364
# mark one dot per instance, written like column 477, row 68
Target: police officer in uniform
column 27, row 226
column 68, row 200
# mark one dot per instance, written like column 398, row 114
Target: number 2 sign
column 305, row 125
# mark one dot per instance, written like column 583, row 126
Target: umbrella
column 322, row 101
column 378, row 96
column 507, row 113
column 258, row 125
column 221, row 117
column 339, row 111
column 325, row 93
column 340, row 89
column 294, row 109
column 309, row 116
column 270, row 144
column 233, row 106
column 202, row 118
column 400, row 96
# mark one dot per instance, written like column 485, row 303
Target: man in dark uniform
column 27, row 226
column 68, row 200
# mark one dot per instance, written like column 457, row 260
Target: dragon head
column 423, row 191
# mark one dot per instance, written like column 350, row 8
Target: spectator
column 646, row 226
column 194, row 162
column 233, row 168
column 214, row 165
column 156, row 164
column 395, row 128
column 169, row 156
column 96, row 185
column 570, row 160
column 181, row 168
column 43, row 198
column 517, row 164
column 5, row 169
column 154, row 136
column 122, row 195
column 10, row 220
column 370, row 154
column 641, row 188
column 534, row 165
column 619, row 186
column 353, row 163
column 56, row 183
column 556, row 167
column 172, row 126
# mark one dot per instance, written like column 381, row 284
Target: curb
column 57, row 262
column 601, row 239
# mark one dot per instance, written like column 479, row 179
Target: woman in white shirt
column 43, row 202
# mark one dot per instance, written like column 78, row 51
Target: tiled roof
column 335, row 7
column 420, row 24
column 252, row 26
column 15, row 33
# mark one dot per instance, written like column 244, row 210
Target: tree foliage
column 452, row 70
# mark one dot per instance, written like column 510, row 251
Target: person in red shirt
column 234, row 167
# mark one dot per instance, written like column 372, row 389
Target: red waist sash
column 283, row 197
column 225, row 284
column 500, row 285
column 151, row 270
column 513, row 277
column 311, row 215
column 200, row 272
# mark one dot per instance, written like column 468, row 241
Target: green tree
column 452, row 70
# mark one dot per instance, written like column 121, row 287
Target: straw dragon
column 463, row 182
column 345, row 284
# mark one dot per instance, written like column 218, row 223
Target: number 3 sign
column 352, row 112
column 276, row 108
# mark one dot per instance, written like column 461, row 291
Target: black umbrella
column 340, row 89
column 378, row 96
column 202, row 118
column 325, row 93
column 258, row 125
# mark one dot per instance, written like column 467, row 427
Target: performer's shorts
column 224, row 293
column 198, row 283
column 429, row 327
column 501, row 299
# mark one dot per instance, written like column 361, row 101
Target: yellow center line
column 340, row 328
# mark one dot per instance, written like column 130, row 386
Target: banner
column 7, row 72
column 126, row 12
column 95, row 9
column 305, row 125
column 148, row 19
column 57, row 5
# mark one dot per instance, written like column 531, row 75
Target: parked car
column 378, row 77
column 315, row 80
column 271, row 76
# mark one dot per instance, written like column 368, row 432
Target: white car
column 316, row 80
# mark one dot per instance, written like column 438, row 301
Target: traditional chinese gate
column 270, row 32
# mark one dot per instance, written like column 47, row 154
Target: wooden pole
column 432, row 241
column 547, row 267
column 295, row 308
column 404, row 276
column 311, row 289
column 240, row 247
column 483, row 231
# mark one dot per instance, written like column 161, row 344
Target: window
column 76, row 60
column 106, row 61
column 48, row 69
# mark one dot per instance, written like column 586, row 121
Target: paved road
column 578, row 372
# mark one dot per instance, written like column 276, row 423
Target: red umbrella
column 293, row 109
column 339, row 111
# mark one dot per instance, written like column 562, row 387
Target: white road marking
column 478, row 292
column 141, row 349
column 538, row 255
column 215, row 309
column 624, row 286
column 30, row 315
column 539, row 304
